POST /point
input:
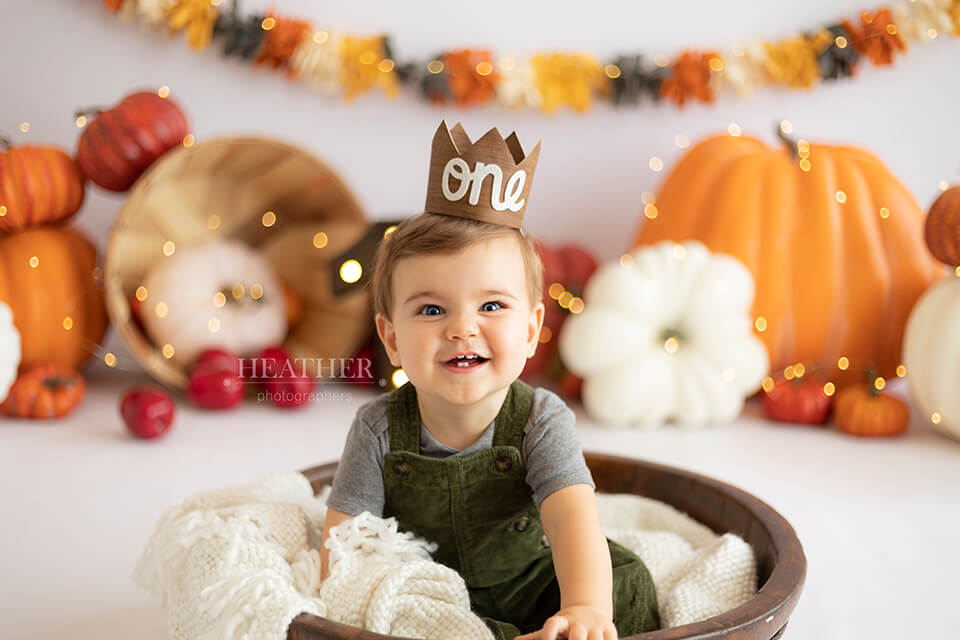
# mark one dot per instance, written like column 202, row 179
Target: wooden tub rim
column 769, row 609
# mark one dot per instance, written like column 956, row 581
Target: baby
column 465, row 454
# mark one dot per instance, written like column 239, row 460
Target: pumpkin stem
column 88, row 111
column 243, row 299
column 57, row 382
column 672, row 332
column 790, row 142
column 5, row 141
column 871, row 380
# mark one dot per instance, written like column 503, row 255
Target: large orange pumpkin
column 38, row 185
column 834, row 242
column 47, row 279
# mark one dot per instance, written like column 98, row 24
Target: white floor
column 879, row 520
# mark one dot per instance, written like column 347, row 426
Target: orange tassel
column 470, row 75
column 282, row 40
column 879, row 37
column 689, row 78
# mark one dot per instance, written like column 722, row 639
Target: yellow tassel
column 569, row 80
column 793, row 62
column 362, row 72
column 197, row 16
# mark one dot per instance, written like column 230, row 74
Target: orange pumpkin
column 834, row 242
column 45, row 391
column 861, row 410
column 942, row 229
column 294, row 305
column 48, row 279
column 38, row 185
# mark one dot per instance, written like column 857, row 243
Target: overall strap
column 403, row 415
column 513, row 416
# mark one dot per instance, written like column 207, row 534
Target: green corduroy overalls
column 481, row 513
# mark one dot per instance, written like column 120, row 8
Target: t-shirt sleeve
column 358, row 482
column 552, row 452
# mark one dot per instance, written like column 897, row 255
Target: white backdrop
column 57, row 55
column 60, row 55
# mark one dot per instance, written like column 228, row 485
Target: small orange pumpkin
column 38, row 185
column 942, row 228
column 45, row 391
column 861, row 410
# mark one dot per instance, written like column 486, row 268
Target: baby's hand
column 575, row 623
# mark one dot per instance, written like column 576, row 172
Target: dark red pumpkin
column 942, row 227
column 800, row 400
column 38, row 185
column 571, row 267
column 118, row 145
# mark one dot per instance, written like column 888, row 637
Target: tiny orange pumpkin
column 861, row 410
column 45, row 391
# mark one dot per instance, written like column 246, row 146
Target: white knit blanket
column 242, row 563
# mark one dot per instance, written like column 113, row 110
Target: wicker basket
column 781, row 565
column 220, row 189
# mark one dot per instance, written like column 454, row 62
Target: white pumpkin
column 666, row 334
column 220, row 294
column 9, row 350
column 931, row 354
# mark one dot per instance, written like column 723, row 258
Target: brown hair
column 431, row 233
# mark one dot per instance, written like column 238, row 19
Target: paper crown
column 459, row 171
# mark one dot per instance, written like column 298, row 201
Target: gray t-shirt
column 551, row 453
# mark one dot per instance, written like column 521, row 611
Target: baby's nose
column 462, row 326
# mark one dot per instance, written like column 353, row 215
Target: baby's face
column 471, row 302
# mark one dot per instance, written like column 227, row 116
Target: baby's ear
column 389, row 338
column 536, row 323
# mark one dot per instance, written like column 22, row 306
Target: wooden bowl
column 781, row 565
column 221, row 189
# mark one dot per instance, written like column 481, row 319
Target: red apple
column 147, row 411
column 274, row 360
column 286, row 386
column 215, row 389
column 218, row 359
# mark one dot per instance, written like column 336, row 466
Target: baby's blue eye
column 486, row 306
column 430, row 310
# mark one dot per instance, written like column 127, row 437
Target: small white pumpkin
column 931, row 354
column 220, row 294
column 666, row 334
column 9, row 350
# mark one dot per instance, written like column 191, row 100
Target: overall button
column 504, row 464
column 401, row 467
column 522, row 523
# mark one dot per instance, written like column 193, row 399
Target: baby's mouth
column 472, row 360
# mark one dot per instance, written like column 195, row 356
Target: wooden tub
column 781, row 565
